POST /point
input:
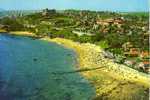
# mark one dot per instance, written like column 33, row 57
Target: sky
column 98, row 5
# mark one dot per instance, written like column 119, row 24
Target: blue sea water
column 32, row 69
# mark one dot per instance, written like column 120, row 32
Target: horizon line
column 70, row 9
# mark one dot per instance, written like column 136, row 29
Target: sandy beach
column 107, row 77
column 2, row 30
column 103, row 73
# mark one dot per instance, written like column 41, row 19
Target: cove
column 32, row 69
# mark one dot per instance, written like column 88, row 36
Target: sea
column 33, row 69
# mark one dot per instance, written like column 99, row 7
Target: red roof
column 145, row 53
column 146, row 62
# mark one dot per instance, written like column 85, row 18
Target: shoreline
column 2, row 30
column 101, row 72
column 19, row 33
column 98, row 61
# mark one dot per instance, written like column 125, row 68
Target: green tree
column 103, row 44
column 85, row 38
column 12, row 24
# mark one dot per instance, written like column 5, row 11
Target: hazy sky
column 110, row 5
